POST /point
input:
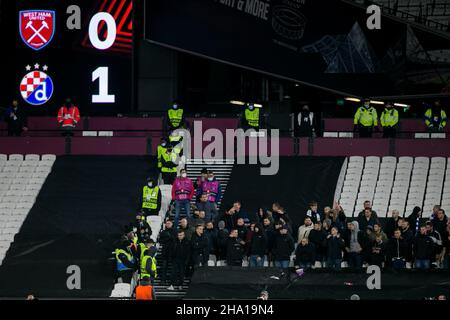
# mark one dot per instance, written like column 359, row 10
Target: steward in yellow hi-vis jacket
column 389, row 121
column 365, row 120
column 435, row 118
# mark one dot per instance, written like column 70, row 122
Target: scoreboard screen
column 53, row 50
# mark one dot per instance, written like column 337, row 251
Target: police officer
column 365, row 120
column 169, row 167
column 435, row 118
column 389, row 121
column 305, row 123
column 151, row 198
column 125, row 262
column 251, row 118
column 175, row 117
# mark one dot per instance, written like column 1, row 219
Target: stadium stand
column 21, row 179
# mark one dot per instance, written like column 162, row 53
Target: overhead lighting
column 297, row 85
column 257, row 105
column 352, row 99
column 237, row 102
column 401, row 105
column 376, row 102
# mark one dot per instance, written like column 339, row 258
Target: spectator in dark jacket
column 378, row 255
column 211, row 235
column 391, row 224
column 368, row 219
column 241, row 228
column 257, row 247
column 362, row 213
column 16, row 119
column 188, row 230
column 235, row 249
column 207, row 207
column 423, row 249
column 167, row 239
column 396, row 251
column 437, row 240
column 222, row 238
column 334, row 244
column 262, row 214
column 180, row 257
column 313, row 212
column 317, row 237
column 283, row 247
column 278, row 213
column 440, row 223
column 366, row 244
column 414, row 220
column 408, row 236
column 199, row 247
column 304, row 254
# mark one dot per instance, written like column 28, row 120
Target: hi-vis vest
column 143, row 249
column 174, row 140
column 175, row 116
column 252, row 117
column 161, row 150
column 150, row 197
column 169, row 157
column 143, row 266
column 431, row 120
column 366, row 117
column 389, row 117
column 119, row 263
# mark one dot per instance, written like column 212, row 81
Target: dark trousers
column 389, row 132
column 365, row 132
column 178, row 271
column 165, row 266
column 354, row 260
column 14, row 130
column 169, row 177
column 126, row 275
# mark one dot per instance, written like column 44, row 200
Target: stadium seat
column 32, row 157
column 16, row 157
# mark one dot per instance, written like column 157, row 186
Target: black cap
column 204, row 170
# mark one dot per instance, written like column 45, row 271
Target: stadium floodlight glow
column 376, row 102
column 257, row 105
column 352, row 99
column 401, row 105
column 237, row 102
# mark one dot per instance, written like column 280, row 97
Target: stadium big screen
column 57, row 49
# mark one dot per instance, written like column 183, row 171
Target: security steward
column 144, row 290
column 435, row 118
column 389, row 121
column 175, row 117
column 175, row 140
column 151, row 198
column 251, row 119
column 125, row 262
column 148, row 264
column 365, row 120
column 169, row 167
column 162, row 148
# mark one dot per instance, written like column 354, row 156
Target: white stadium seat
column 15, row 157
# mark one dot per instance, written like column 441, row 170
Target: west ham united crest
column 37, row 27
column 36, row 86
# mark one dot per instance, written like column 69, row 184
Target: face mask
column 251, row 107
column 150, row 184
column 367, row 106
column 163, row 144
column 175, row 106
column 210, row 179
column 184, row 175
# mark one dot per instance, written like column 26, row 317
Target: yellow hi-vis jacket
column 366, row 117
column 389, row 117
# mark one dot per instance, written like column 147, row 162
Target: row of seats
column 395, row 184
column 21, row 179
